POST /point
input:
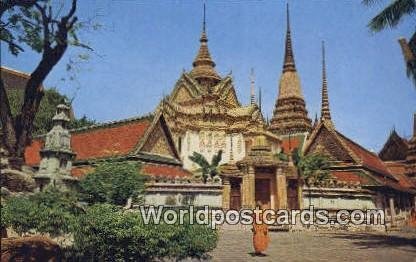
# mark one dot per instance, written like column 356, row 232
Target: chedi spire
column 290, row 115
column 203, row 66
column 325, row 112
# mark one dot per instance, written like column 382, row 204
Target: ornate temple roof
column 290, row 114
column 146, row 139
column 260, row 154
column 350, row 157
column 395, row 148
column 203, row 66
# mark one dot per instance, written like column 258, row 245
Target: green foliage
column 49, row 211
column 314, row 168
column 105, row 233
column 25, row 26
column 206, row 168
column 112, row 182
column 47, row 109
column 282, row 157
column 391, row 16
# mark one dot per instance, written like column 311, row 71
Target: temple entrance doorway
column 235, row 194
column 292, row 194
column 262, row 189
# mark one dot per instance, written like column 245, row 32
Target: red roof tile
column 114, row 140
column 398, row 170
column 294, row 142
column 164, row 170
column 369, row 159
column 349, row 176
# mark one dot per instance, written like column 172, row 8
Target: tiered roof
column 352, row 162
column 203, row 66
column 290, row 114
column 395, row 148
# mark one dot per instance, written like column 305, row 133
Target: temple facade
column 205, row 116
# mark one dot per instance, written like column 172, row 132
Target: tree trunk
column 8, row 138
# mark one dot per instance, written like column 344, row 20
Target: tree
column 47, row 29
column 106, row 233
column 312, row 168
column 112, row 182
column 47, row 108
column 207, row 169
column 50, row 211
column 391, row 16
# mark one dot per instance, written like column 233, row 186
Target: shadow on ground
column 366, row 240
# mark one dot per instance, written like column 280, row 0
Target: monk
column 260, row 235
column 412, row 220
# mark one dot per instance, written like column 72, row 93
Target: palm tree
column 312, row 168
column 207, row 169
column 391, row 16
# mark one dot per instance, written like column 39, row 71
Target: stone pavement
column 236, row 245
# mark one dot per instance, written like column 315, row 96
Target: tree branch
column 33, row 90
column 9, row 4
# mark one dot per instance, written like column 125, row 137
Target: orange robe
column 260, row 237
column 412, row 220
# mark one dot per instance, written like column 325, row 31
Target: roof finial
column 414, row 124
column 260, row 98
column 289, row 61
column 203, row 64
column 252, row 95
column 204, row 21
column 325, row 112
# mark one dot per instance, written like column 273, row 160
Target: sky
column 143, row 46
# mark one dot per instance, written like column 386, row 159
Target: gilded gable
column 182, row 95
column 326, row 143
column 157, row 142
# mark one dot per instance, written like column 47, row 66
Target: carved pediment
column 158, row 140
column 325, row 142
column 157, row 143
column 182, row 95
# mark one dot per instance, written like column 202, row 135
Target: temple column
column 281, row 190
column 244, row 191
column 392, row 212
column 226, row 191
column 252, row 187
column 300, row 195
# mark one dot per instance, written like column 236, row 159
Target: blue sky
column 144, row 45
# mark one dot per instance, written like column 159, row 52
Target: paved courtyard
column 236, row 245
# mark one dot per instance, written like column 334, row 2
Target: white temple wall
column 208, row 143
column 338, row 198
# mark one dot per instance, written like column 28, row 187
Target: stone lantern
column 57, row 155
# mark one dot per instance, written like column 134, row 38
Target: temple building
column 360, row 179
column 205, row 116
column 145, row 140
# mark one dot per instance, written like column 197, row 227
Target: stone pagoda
column 57, row 155
column 290, row 115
